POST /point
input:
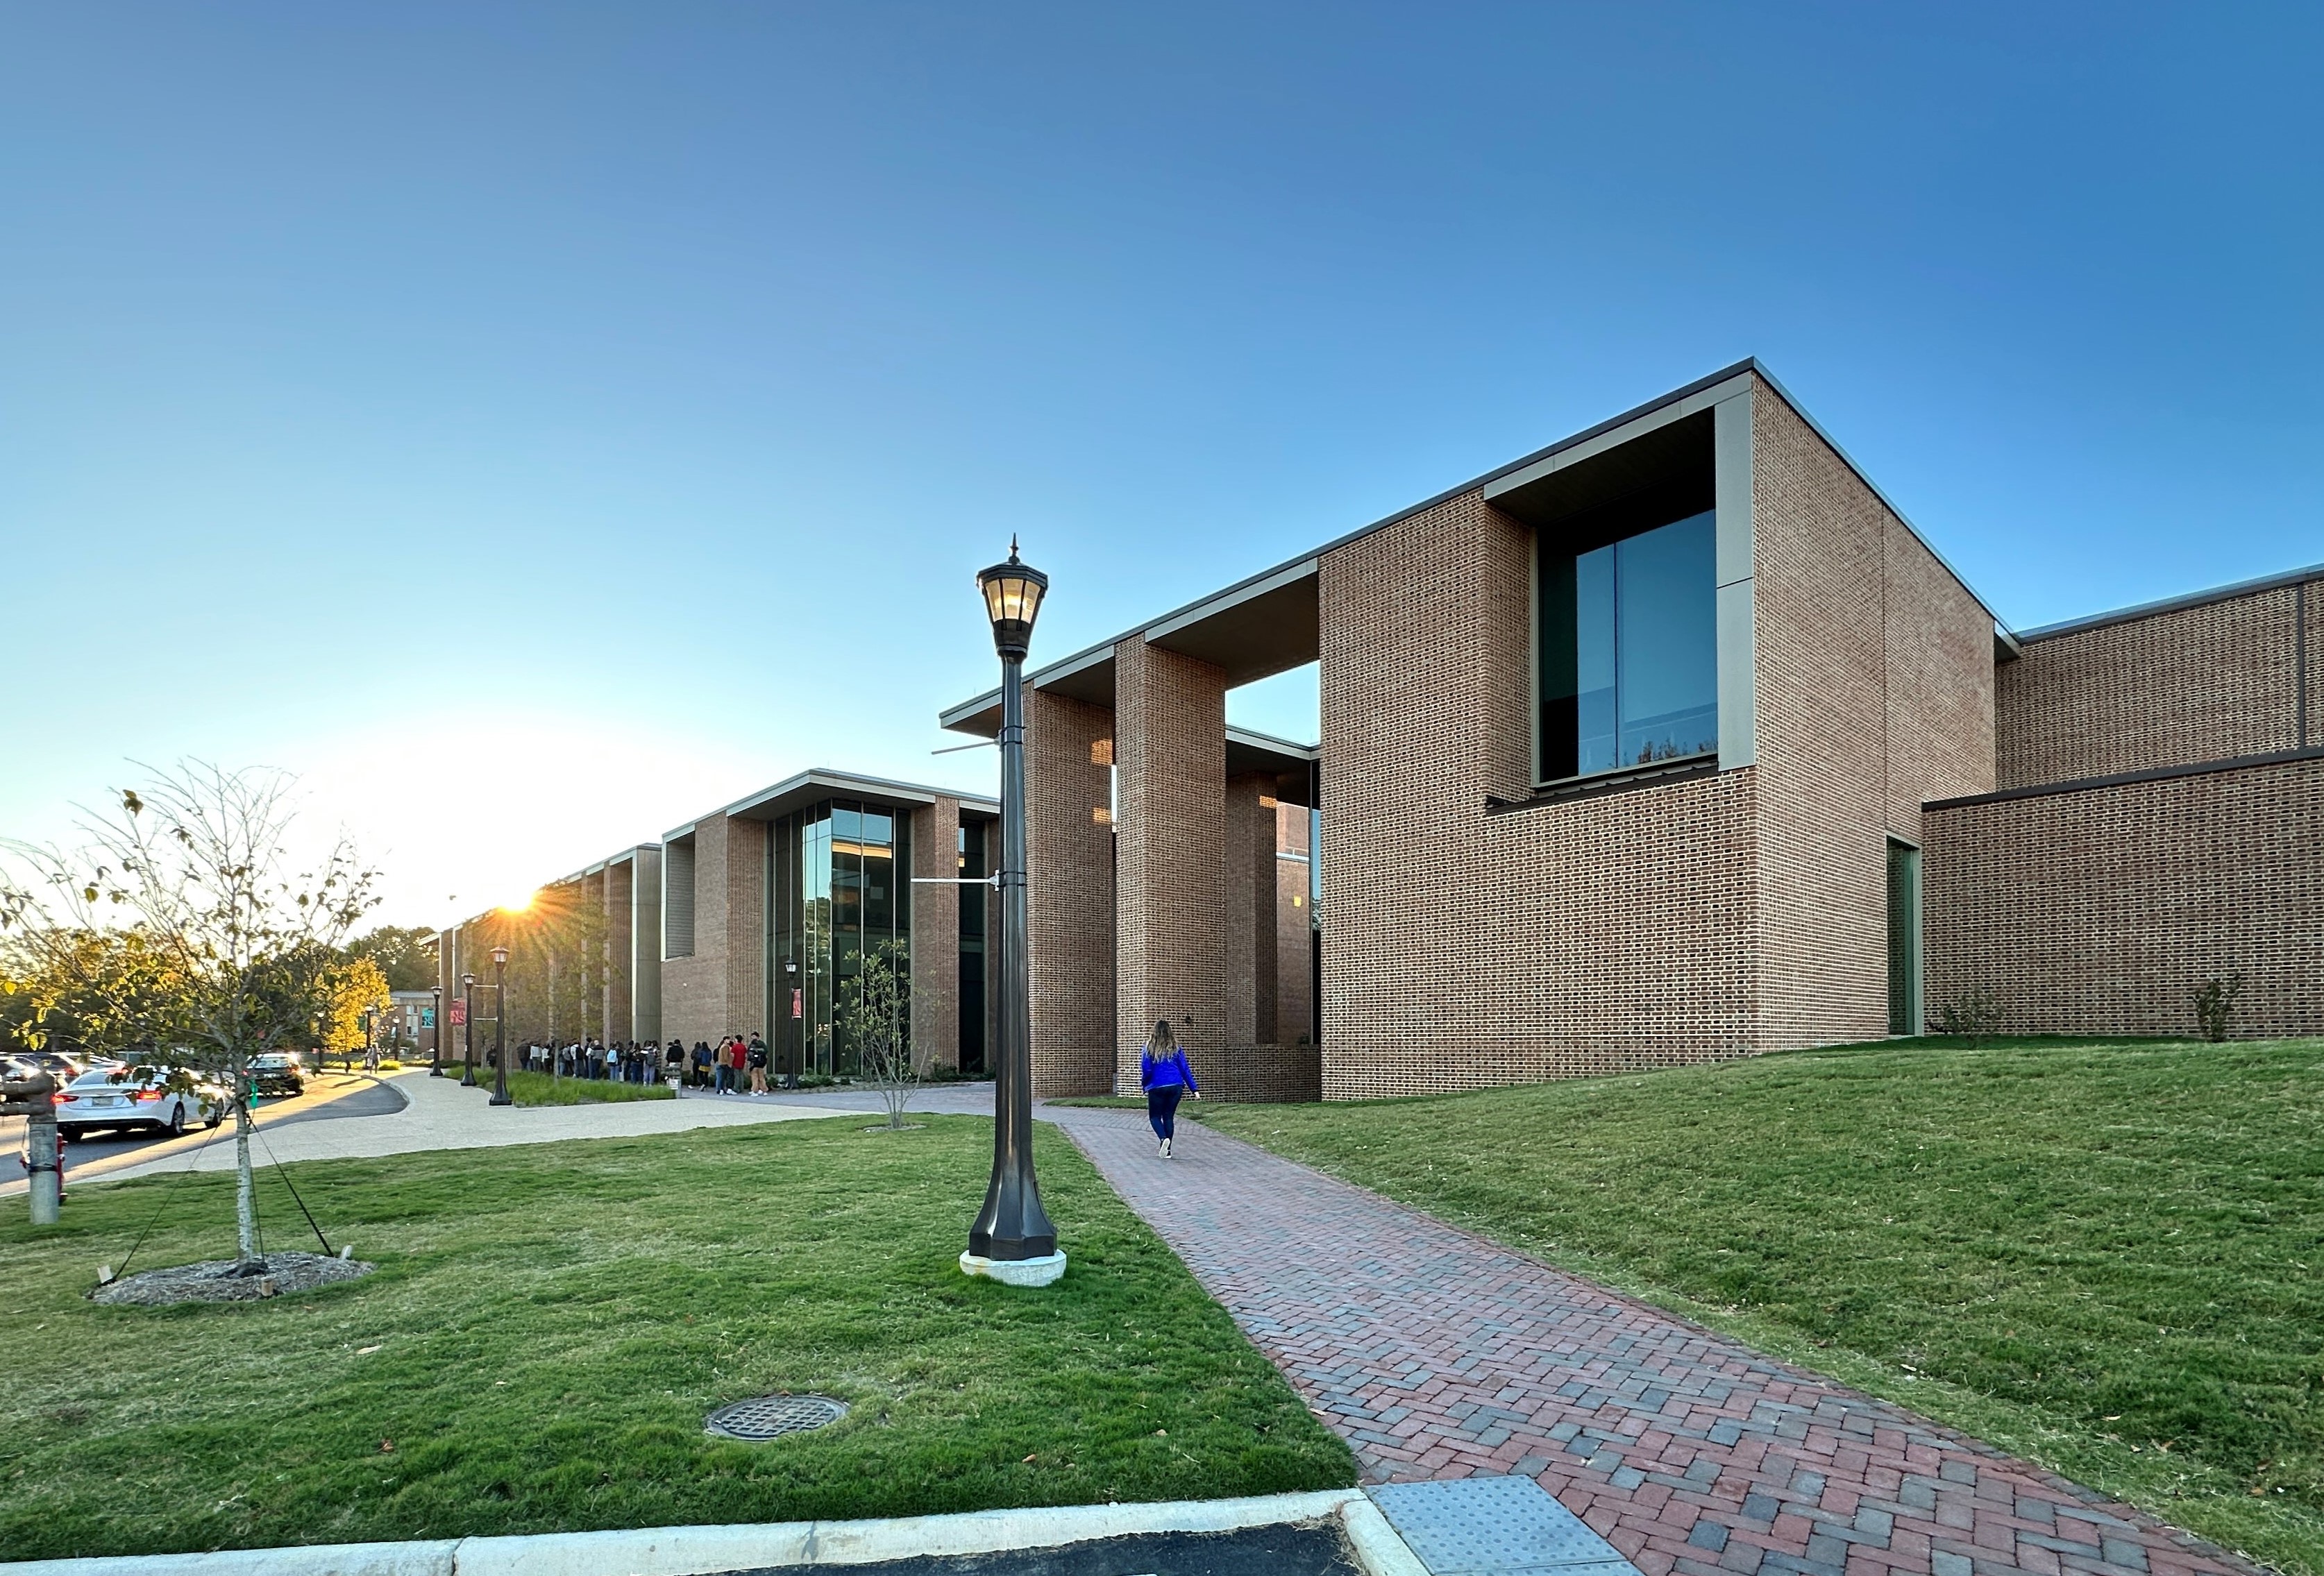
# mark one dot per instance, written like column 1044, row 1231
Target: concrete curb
column 700, row 1551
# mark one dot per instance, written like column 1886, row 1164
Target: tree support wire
column 168, row 1194
column 301, row 1203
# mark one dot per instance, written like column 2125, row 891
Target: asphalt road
column 374, row 1100
column 1314, row 1550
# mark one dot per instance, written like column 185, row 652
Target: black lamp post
column 467, row 1031
column 436, row 1039
column 500, row 1026
column 1012, row 1241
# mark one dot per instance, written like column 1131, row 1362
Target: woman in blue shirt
column 1163, row 1074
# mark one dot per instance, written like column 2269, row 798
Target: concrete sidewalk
column 1361, row 1540
column 441, row 1115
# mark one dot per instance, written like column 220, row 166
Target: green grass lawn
column 2106, row 1256
column 550, row 1322
column 541, row 1089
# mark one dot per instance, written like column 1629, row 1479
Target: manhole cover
column 772, row 1417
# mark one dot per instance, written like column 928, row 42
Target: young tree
column 195, row 867
column 877, row 1016
column 353, row 987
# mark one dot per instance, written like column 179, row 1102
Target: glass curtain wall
column 834, row 874
column 972, row 906
column 1628, row 665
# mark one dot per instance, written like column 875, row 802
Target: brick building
column 613, row 996
column 1671, row 741
column 756, row 917
column 771, row 904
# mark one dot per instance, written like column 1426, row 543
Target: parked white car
column 137, row 1097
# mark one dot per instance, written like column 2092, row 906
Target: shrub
column 1973, row 1017
column 2215, row 1005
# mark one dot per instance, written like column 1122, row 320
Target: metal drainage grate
column 772, row 1417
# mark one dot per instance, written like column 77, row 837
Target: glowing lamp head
column 499, row 957
column 1012, row 600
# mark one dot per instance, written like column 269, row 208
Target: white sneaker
column 1166, row 1149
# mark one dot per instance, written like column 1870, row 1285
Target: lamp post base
column 1016, row 1272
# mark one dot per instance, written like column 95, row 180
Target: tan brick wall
column 1069, row 869
column 1257, row 1075
column 935, row 935
column 1170, row 877
column 1247, row 923
column 1295, row 937
column 694, row 987
column 746, row 927
column 720, row 990
column 616, row 886
column 1463, row 949
column 2100, row 910
column 1874, row 684
column 2174, row 688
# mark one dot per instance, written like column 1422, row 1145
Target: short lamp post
column 1012, row 1241
column 368, row 1015
column 436, row 1037
column 467, row 1031
column 500, row 1025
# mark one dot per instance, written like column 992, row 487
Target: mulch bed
column 215, row 1281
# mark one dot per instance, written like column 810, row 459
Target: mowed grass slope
column 553, row 1321
column 2106, row 1256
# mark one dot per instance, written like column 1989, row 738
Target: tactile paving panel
column 1495, row 1526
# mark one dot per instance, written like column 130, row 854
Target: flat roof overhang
column 816, row 784
column 1270, row 622
column 1298, row 768
column 1254, row 629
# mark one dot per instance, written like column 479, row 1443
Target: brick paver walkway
column 1438, row 1355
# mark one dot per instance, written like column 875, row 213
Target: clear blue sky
column 624, row 395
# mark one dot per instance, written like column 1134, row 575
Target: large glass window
column 1629, row 661
column 838, row 895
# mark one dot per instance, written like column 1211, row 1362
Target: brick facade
column 2189, row 684
column 1464, row 947
column 721, row 989
column 1295, row 935
column 1247, row 918
column 1069, row 870
column 1479, row 928
column 1875, row 692
column 2100, row 910
column 1170, row 893
column 1664, row 921
column 615, row 884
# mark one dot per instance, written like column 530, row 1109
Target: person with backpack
column 756, row 1059
column 702, row 1064
column 1164, row 1076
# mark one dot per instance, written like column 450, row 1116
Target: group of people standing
column 627, row 1061
column 724, row 1069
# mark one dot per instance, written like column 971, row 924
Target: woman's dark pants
column 1162, row 1109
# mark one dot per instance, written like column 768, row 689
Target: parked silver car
column 138, row 1097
